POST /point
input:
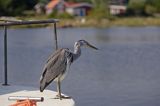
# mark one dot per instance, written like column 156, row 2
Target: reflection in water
column 124, row 72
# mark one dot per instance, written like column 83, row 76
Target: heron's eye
column 83, row 41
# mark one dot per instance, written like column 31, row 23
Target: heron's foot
column 62, row 97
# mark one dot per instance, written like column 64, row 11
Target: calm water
column 124, row 72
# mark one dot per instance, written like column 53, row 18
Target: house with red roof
column 75, row 9
column 57, row 5
column 78, row 9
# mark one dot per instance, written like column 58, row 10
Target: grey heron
column 58, row 64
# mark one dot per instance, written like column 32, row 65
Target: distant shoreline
column 129, row 21
column 132, row 22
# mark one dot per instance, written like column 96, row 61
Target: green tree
column 150, row 10
column 44, row 1
column 136, row 7
column 100, row 10
column 4, row 7
column 152, row 7
column 15, row 7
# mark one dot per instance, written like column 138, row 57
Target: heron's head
column 83, row 43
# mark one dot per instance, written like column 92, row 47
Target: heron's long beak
column 91, row 46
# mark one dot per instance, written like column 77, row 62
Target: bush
column 99, row 13
column 64, row 15
column 53, row 14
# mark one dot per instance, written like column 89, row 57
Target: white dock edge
column 6, row 91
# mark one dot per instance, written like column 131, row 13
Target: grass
column 134, row 21
column 140, row 21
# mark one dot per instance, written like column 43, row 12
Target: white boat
column 23, row 91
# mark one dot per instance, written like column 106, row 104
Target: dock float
column 48, row 95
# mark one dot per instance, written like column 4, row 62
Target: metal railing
column 5, row 23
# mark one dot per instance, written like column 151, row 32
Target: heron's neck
column 77, row 53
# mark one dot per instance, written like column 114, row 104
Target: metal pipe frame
column 13, row 23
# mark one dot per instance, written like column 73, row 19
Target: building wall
column 79, row 11
column 70, row 11
column 117, row 9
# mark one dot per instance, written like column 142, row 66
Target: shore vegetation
column 139, row 13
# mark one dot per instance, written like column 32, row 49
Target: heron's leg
column 59, row 95
column 59, row 89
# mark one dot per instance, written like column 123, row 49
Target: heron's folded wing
column 55, row 65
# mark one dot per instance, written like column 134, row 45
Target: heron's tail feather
column 43, row 84
column 43, row 80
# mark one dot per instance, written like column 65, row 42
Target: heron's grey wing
column 54, row 54
column 55, row 65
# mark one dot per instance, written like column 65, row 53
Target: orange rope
column 25, row 103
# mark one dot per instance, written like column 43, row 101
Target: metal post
column 55, row 36
column 5, row 57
